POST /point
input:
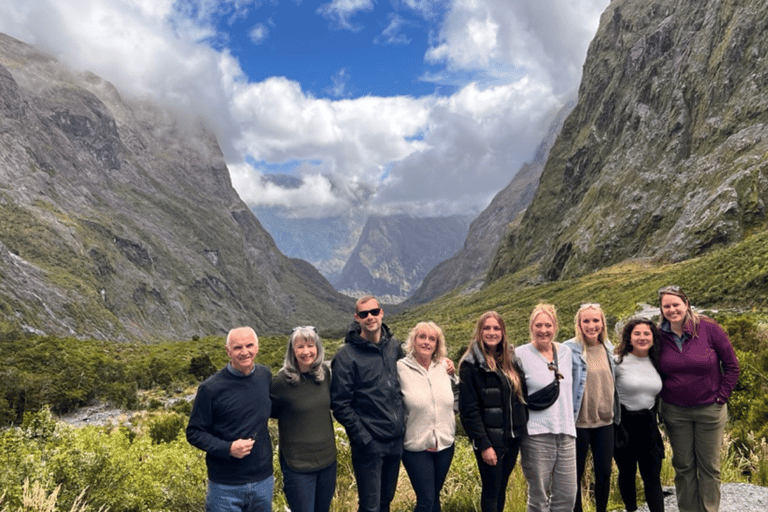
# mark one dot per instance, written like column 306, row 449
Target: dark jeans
column 427, row 471
column 600, row 440
column 309, row 492
column 376, row 476
column 494, row 478
column 644, row 449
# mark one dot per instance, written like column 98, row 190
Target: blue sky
column 422, row 106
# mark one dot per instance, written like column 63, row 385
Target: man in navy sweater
column 229, row 423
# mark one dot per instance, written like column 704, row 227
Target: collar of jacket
column 354, row 337
column 475, row 356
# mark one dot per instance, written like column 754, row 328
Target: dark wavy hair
column 625, row 347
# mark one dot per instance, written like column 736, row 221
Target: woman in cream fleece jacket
column 429, row 422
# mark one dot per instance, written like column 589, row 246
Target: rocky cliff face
column 118, row 219
column 395, row 252
column 665, row 153
column 468, row 267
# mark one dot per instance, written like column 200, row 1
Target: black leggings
column 643, row 449
column 600, row 440
column 494, row 478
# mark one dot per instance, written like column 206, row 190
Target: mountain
column 664, row 155
column 118, row 220
column 325, row 242
column 468, row 267
column 395, row 252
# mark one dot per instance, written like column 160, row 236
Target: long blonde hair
column 603, row 336
column 501, row 359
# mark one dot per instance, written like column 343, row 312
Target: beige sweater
column 428, row 397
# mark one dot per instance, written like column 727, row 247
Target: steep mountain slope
column 118, row 219
column 395, row 252
column 665, row 153
column 469, row 266
column 325, row 242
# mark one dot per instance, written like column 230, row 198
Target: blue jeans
column 250, row 497
column 309, row 492
column 376, row 476
column 427, row 472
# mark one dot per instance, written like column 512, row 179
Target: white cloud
column 437, row 153
column 545, row 39
column 340, row 81
column 340, row 12
column 259, row 33
column 393, row 34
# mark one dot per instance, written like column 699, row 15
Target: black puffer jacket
column 489, row 410
column 365, row 390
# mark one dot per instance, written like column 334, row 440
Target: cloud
column 476, row 141
column 392, row 34
column 510, row 63
column 340, row 12
column 259, row 33
column 340, row 81
column 546, row 40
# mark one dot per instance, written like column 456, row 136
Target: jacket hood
column 475, row 356
column 353, row 336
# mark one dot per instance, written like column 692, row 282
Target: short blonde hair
column 547, row 309
column 440, row 350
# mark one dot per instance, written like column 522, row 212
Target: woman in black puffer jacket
column 491, row 407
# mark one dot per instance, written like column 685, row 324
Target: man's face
column 371, row 323
column 242, row 349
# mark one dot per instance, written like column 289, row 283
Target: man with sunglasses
column 366, row 399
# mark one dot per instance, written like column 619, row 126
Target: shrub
column 166, row 427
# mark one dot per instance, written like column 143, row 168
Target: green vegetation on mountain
column 145, row 463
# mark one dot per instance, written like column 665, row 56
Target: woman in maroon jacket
column 699, row 370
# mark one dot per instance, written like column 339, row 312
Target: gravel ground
column 734, row 498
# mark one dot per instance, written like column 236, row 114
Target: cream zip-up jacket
column 428, row 395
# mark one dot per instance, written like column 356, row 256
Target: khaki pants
column 549, row 465
column 696, row 436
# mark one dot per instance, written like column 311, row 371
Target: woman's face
column 543, row 329
column 591, row 324
column 491, row 332
column 673, row 308
column 425, row 344
column 306, row 353
column 641, row 339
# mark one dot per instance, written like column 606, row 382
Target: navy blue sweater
column 229, row 407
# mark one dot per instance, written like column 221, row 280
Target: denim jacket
column 580, row 377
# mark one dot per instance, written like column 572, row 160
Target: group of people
column 550, row 403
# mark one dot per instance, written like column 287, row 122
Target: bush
column 166, row 427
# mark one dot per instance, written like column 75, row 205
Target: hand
column 489, row 456
column 449, row 366
column 241, row 448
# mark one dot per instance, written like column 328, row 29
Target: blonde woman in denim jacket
column 596, row 404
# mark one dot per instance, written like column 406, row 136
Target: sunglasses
column 364, row 314
column 552, row 367
column 590, row 305
column 674, row 290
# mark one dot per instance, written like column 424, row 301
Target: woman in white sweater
column 548, row 452
column 430, row 424
column 639, row 442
